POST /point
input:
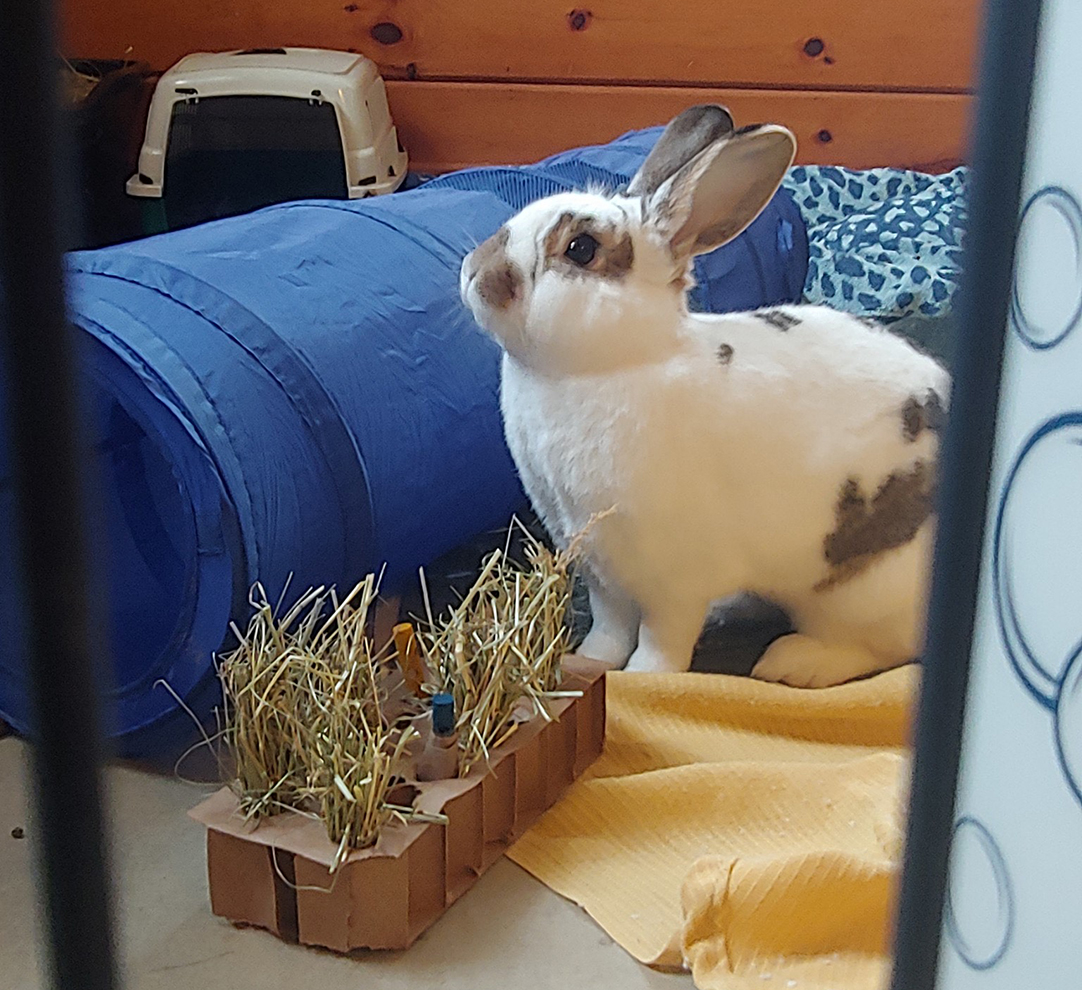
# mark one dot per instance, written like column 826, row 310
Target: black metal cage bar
column 998, row 159
column 45, row 431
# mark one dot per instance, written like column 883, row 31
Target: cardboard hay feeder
column 275, row 875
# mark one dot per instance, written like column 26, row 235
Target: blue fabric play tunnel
column 298, row 396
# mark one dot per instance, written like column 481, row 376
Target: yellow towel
column 750, row 832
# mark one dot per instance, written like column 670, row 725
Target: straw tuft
column 498, row 653
column 316, row 724
column 321, row 723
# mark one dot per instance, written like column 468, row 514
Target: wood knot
column 579, row 20
column 824, row 136
column 351, row 8
column 813, row 47
column 386, row 33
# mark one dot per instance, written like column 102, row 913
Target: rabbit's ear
column 721, row 190
column 687, row 134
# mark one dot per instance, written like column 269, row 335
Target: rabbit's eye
column 581, row 250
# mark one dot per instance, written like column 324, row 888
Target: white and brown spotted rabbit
column 789, row 452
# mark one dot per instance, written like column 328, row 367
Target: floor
column 508, row 932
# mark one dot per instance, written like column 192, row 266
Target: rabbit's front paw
column 602, row 645
column 665, row 644
column 801, row 661
column 614, row 633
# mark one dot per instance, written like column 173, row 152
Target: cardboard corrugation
column 275, row 875
column 245, row 880
column 498, row 809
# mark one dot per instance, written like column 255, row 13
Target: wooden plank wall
column 860, row 82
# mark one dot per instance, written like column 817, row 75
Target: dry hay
column 321, row 723
column 75, row 85
column 498, row 652
column 315, row 723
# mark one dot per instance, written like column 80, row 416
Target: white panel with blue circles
column 1013, row 915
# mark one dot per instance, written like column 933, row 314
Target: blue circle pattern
column 881, row 242
column 1068, row 207
column 1042, row 677
column 1004, row 891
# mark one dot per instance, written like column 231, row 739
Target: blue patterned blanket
column 881, row 242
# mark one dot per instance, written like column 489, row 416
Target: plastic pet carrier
column 233, row 132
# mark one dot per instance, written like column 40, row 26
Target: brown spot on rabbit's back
column 777, row 318
column 918, row 416
column 866, row 527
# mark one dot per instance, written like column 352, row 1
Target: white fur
column 722, row 477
